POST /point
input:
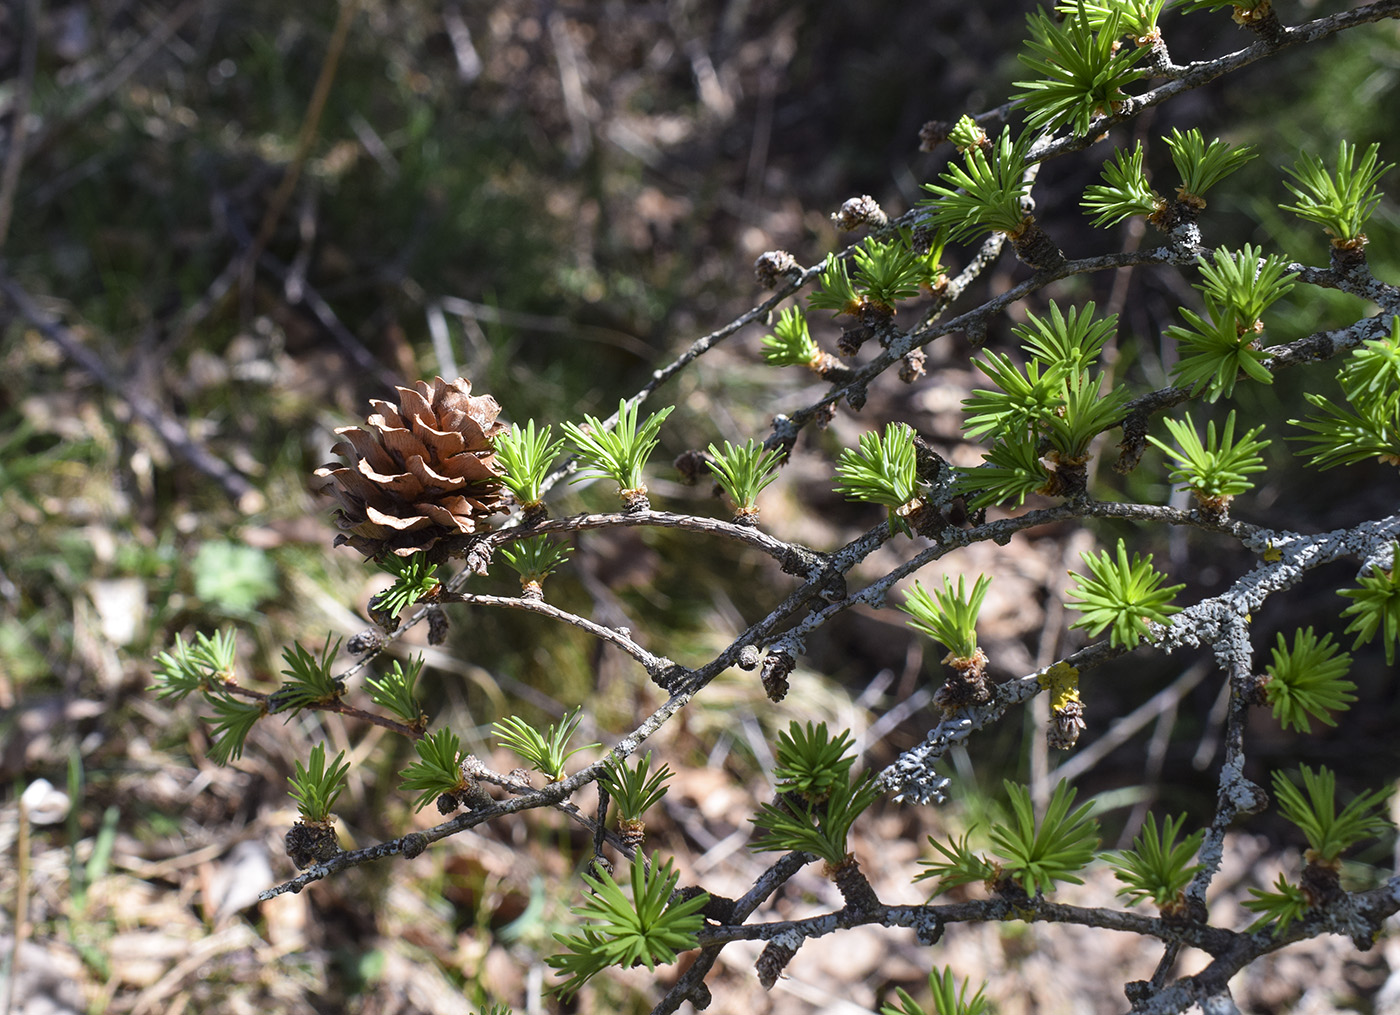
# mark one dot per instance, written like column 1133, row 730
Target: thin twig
column 334, row 705
column 656, row 666
column 793, row 558
column 691, row 982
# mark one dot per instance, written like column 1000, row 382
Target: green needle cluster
column 883, row 470
column 535, row 559
column 1375, row 607
column 1158, row 867
column 1216, row 348
column 790, row 344
column 635, row 788
column 1281, row 907
column 397, row 691
column 1340, row 202
column 950, row 615
column 742, row 472
column 811, row 763
column 414, row 579
column 527, row 455
column 888, row 271
column 309, row 680
column 232, row 721
column 947, row 998
column 1137, row 18
column 1081, row 70
column 1040, row 853
column 985, row 194
column 1215, row 469
column 438, row 770
column 200, row 665
column 1125, row 191
column 650, row 928
column 1329, row 833
column 1365, row 423
column 818, row 802
column 1313, row 809
column 1308, row 680
column 1033, row 854
column 1054, row 408
column 317, row 786
column 1122, row 595
column 620, row 453
column 1201, row 166
column 546, row 752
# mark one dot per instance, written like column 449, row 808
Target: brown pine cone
column 418, row 472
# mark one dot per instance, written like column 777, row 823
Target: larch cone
column 418, row 472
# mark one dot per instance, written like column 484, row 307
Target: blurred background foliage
column 552, row 199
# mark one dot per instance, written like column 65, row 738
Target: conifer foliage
column 437, row 491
